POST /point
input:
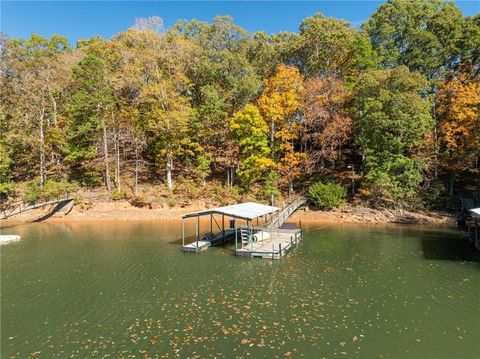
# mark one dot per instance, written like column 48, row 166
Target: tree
column 328, row 122
column 470, row 43
column 250, row 130
column 280, row 99
column 266, row 52
column 423, row 35
column 153, row 23
column 329, row 46
column 393, row 117
column 86, row 110
column 158, row 86
column 280, row 104
column 459, row 109
column 32, row 81
column 222, row 81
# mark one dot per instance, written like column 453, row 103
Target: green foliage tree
column 423, row 35
column 86, row 110
column 393, row 117
column 330, row 46
column 250, row 130
column 32, row 80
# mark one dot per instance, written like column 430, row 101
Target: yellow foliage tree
column 281, row 98
column 279, row 104
column 459, row 108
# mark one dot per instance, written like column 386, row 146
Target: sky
column 82, row 19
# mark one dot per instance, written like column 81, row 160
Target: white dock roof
column 247, row 210
column 475, row 212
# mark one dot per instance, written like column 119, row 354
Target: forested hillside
column 210, row 104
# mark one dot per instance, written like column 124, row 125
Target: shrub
column 34, row 193
column 7, row 190
column 140, row 202
column 118, row 195
column 58, row 189
column 327, row 194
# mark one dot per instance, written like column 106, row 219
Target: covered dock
column 248, row 213
column 473, row 225
column 262, row 232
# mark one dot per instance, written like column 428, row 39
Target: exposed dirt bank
column 123, row 211
column 360, row 214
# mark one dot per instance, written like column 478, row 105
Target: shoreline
column 122, row 211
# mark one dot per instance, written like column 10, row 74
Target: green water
column 127, row 291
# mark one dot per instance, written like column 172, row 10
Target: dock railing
column 277, row 220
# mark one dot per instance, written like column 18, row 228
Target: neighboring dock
column 473, row 226
column 268, row 239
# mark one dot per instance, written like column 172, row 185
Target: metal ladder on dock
column 244, row 234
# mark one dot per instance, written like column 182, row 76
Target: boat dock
column 270, row 238
column 473, row 226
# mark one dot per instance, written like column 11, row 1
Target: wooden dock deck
column 281, row 241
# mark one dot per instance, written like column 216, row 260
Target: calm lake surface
column 127, row 291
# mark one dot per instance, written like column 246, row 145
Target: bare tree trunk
column 43, row 172
column 451, row 184
column 116, row 150
column 54, row 105
column 135, row 190
column 169, row 168
column 272, row 138
column 117, row 170
column 435, row 134
column 228, row 177
column 106, row 159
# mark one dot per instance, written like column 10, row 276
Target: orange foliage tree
column 459, row 108
column 328, row 123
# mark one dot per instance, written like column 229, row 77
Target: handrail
column 12, row 211
column 281, row 216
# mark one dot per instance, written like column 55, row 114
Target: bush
column 34, row 193
column 327, row 194
column 118, row 195
column 7, row 190
column 140, row 202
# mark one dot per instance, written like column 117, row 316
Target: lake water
column 127, row 291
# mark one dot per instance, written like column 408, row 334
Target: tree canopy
column 202, row 101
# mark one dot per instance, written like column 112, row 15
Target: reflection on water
column 126, row 290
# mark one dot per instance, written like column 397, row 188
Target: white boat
column 7, row 238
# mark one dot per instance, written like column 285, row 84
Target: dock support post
column 235, row 229
column 280, row 249
column 223, row 228
column 183, row 232
column 197, row 230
